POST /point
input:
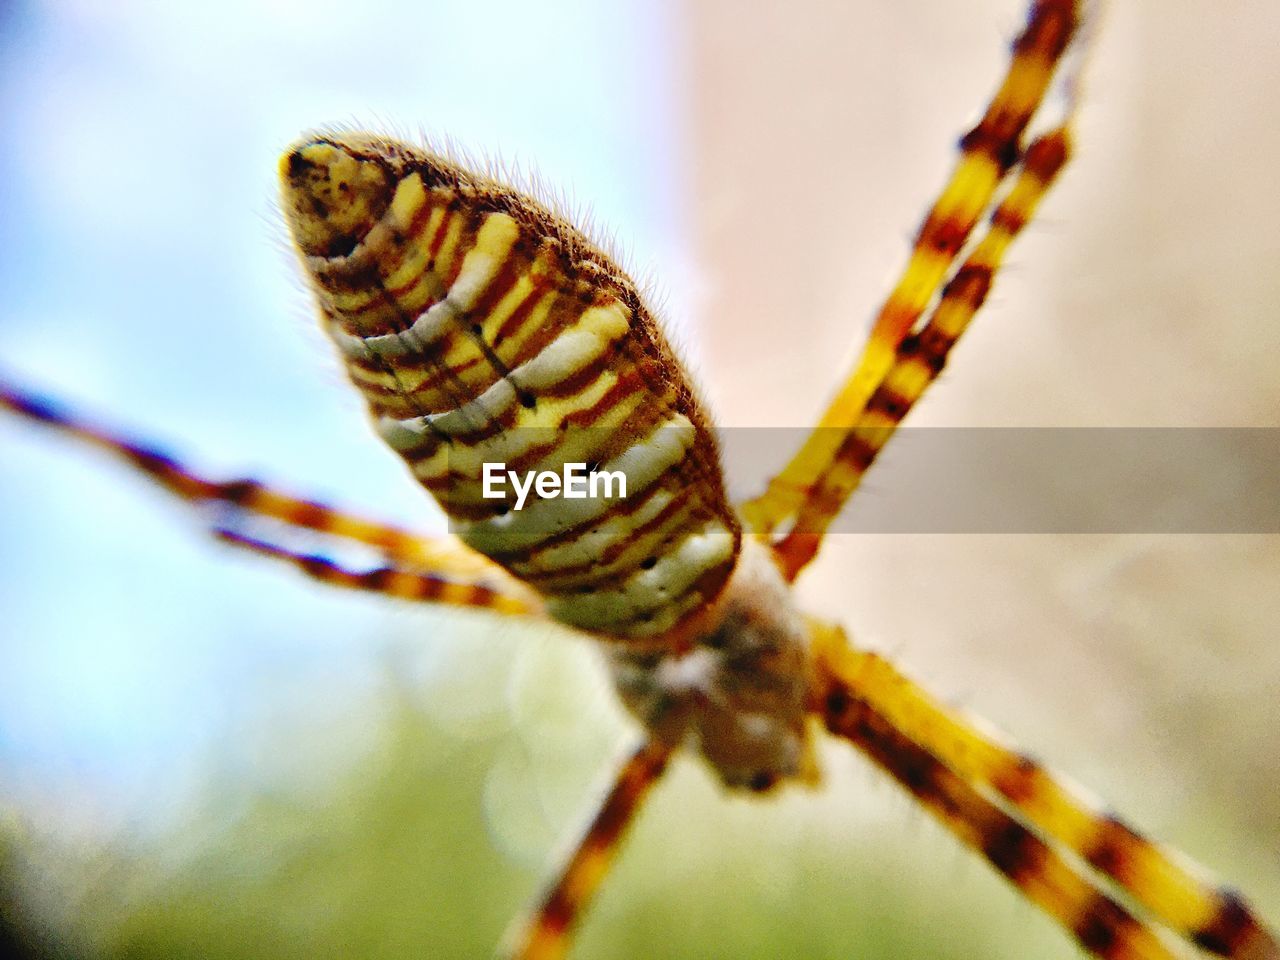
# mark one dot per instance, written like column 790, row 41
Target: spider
column 792, row 552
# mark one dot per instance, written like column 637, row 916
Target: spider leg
column 1099, row 923
column 969, row 779
column 920, row 357
column 445, row 555
column 543, row 933
column 987, row 153
column 426, row 586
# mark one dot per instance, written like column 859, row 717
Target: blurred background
column 201, row 754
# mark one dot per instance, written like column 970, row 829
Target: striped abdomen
column 481, row 328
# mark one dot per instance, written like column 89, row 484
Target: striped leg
column 444, row 555
column 988, row 152
column 425, row 586
column 861, row 694
column 1102, row 926
column 920, row 357
column 544, row 933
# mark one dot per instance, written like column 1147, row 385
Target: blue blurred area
column 145, row 276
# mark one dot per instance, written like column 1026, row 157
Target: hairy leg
column 424, row 586
column 988, row 152
column 920, row 358
column 543, row 934
column 952, row 756
column 443, row 557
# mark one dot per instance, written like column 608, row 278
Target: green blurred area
column 424, row 842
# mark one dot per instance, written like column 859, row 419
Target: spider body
column 476, row 324
column 738, row 694
column 480, row 328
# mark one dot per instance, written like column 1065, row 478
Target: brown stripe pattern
column 484, row 329
column 920, row 357
column 988, row 152
column 405, row 584
column 457, row 575
column 1100, row 924
column 544, row 934
column 1034, row 826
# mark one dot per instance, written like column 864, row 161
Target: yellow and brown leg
column 544, row 932
column 1213, row 918
column 921, row 357
column 424, row 586
column 987, row 153
column 443, row 555
column 1102, row 926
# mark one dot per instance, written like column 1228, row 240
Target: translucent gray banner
column 1044, row 480
column 983, row 480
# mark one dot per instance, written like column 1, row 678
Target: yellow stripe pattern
column 483, row 329
column 919, row 358
column 544, row 933
column 439, row 569
column 960, row 768
column 988, row 151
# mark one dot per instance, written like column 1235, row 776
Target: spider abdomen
column 492, row 341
